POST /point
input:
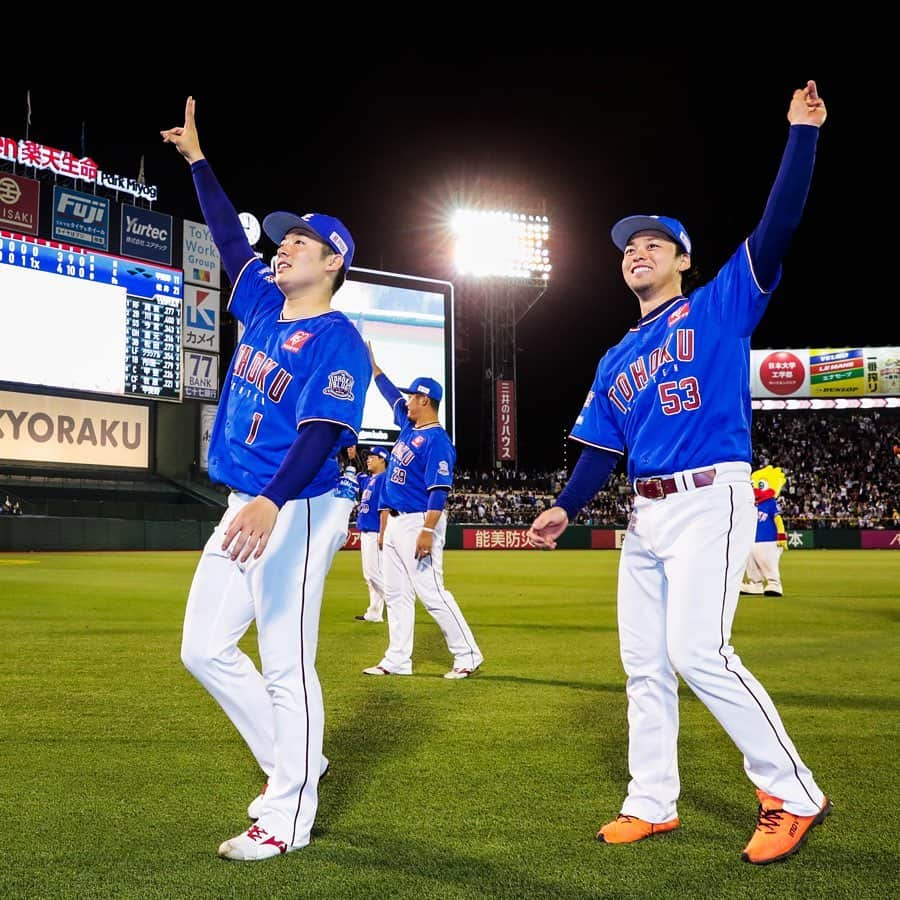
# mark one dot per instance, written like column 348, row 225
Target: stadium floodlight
column 508, row 245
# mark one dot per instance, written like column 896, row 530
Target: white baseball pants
column 405, row 577
column 371, row 569
column 680, row 573
column 763, row 565
column 278, row 712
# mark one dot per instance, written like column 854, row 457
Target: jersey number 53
column 678, row 396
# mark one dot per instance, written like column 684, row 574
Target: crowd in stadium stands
column 842, row 467
column 843, row 471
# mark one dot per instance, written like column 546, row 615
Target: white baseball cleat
column 256, row 804
column 253, row 845
column 458, row 673
column 381, row 670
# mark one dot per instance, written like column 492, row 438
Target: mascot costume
column 763, row 574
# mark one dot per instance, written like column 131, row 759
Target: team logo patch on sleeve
column 296, row 341
column 418, row 440
column 443, row 467
column 340, row 385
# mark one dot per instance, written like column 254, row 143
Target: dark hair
column 690, row 278
column 435, row 404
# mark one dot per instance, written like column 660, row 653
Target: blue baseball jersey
column 284, row 373
column 367, row 516
column 422, row 458
column 675, row 391
column 766, row 530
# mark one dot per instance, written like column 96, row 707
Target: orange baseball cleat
column 779, row 834
column 628, row 829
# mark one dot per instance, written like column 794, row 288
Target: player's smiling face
column 653, row 263
column 303, row 260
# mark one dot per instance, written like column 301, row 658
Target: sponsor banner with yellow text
column 825, row 372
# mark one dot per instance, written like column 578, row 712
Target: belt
column 658, row 488
column 394, row 512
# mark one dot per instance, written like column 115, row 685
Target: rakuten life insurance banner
column 43, row 429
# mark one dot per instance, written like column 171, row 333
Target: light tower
column 508, row 254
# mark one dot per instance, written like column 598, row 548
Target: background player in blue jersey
column 368, row 523
column 292, row 398
column 416, row 484
column 674, row 393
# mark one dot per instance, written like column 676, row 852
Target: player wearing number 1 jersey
column 291, row 400
column 675, row 393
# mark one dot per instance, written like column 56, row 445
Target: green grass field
column 119, row 776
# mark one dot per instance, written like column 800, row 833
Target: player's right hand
column 547, row 527
column 185, row 138
column 250, row 529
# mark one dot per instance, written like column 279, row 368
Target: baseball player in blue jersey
column 416, row 484
column 368, row 524
column 674, row 393
column 292, row 398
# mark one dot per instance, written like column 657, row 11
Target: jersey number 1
column 254, row 428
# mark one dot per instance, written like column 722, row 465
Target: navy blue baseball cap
column 381, row 452
column 623, row 230
column 427, row 386
column 327, row 229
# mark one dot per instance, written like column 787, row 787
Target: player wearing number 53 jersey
column 675, row 394
column 292, row 398
column 418, row 478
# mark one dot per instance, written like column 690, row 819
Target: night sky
column 594, row 140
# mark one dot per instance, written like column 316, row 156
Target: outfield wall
column 24, row 533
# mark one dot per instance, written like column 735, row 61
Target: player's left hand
column 250, row 529
column 807, row 107
column 423, row 544
column 185, row 137
column 547, row 527
column 781, row 541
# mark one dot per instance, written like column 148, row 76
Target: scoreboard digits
column 153, row 296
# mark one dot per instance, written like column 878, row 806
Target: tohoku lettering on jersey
column 284, row 373
column 664, row 392
column 421, row 459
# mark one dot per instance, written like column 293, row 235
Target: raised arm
column 772, row 236
column 218, row 212
column 388, row 390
